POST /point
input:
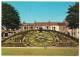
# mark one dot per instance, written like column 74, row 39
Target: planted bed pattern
column 40, row 38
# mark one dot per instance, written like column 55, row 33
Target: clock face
column 40, row 39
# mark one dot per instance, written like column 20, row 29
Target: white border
column 42, row 0
column 37, row 0
column 0, row 27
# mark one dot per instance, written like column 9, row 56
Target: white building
column 74, row 32
column 45, row 26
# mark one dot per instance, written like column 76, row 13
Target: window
column 37, row 27
column 25, row 27
column 53, row 28
column 6, row 34
column 31, row 27
column 40, row 28
column 68, row 33
column 47, row 27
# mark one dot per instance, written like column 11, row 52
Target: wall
column 63, row 29
column 74, row 32
column 56, row 27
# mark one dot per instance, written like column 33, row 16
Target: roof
column 45, row 24
column 26, row 24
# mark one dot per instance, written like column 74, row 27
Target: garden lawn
column 41, row 51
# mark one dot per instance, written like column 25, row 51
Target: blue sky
column 42, row 11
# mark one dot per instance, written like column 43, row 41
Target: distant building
column 57, row 26
column 45, row 26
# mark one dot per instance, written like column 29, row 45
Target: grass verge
column 40, row 51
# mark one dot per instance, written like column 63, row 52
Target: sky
column 30, row 12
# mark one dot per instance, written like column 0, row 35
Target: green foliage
column 73, row 16
column 10, row 16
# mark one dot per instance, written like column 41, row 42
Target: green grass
column 41, row 51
